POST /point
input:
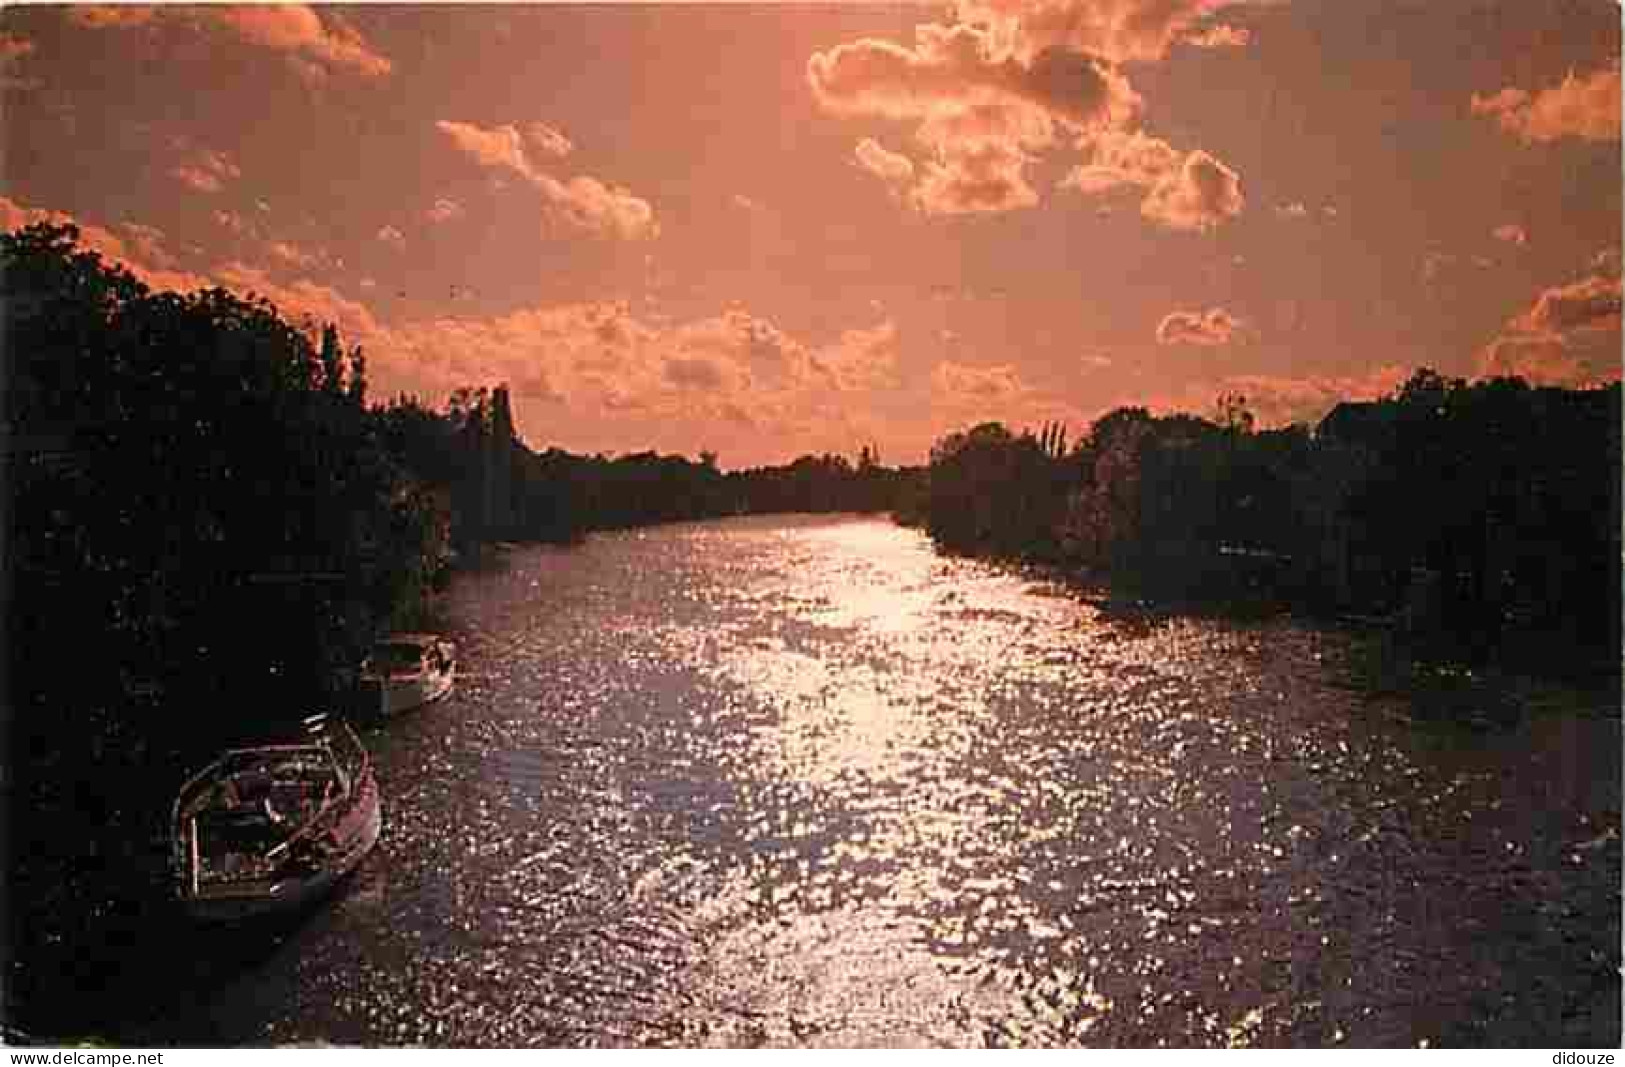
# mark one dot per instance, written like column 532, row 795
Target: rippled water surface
column 806, row 782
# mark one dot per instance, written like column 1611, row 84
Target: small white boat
column 269, row 829
column 406, row 671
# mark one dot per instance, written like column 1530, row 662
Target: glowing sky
column 768, row 230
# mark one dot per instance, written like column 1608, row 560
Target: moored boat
column 406, row 671
column 269, row 829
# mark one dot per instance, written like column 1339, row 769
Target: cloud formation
column 1221, row 36
column 1006, row 81
column 314, row 45
column 110, row 16
column 893, row 168
column 1512, row 234
column 547, row 140
column 1281, row 400
column 1190, row 191
column 143, row 252
column 206, row 171
column 963, row 385
column 1585, row 107
column 582, row 202
column 1569, row 336
column 444, row 211
column 1118, row 31
column 1215, row 326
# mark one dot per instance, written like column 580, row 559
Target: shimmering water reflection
column 805, row 782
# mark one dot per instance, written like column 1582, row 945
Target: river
column 804, row 781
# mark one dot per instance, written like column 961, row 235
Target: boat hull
column 393, row 696
column 292, row 894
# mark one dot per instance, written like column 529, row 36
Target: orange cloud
column 582, row 202
column 1116, row 30
column 299, row 31
column 1221, row 36
column 1280, row 400
column 13, row 47
column 1006, row 80
column 303, row 300
column 1585, row 107
column 1570, row 336
column 964, row 385
column 893, row 168
column 1589, row 304
column 987, row 177
column 548, row 141
column 206, row 171
column 105, row 16
column 315, row 46
column 143, row 254
column 291, row 254
column 1193, row 191
column 498, row 146
column 1215, row 326
column 950, row 68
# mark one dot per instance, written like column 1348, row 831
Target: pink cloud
column 860, row 359
column 893, row 168
column 951, row 68
column 1585, row 107
column 1215, row 326
column 1189, row 191
column 445, row 211
column 1512, row 234
column 392, row 237
column 582, row 202
column 1005, row 80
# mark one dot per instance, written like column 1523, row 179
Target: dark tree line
column 1483, row 509
column 207, row 522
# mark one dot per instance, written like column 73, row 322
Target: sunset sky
column 767, row 230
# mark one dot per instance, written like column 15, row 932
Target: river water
column 801, row 781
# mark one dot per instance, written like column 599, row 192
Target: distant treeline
column 1485, row 510
column 209, row 519
column 207, row 505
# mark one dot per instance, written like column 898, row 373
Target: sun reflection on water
column 806, row 782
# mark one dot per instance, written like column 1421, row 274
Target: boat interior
column 255, row 813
